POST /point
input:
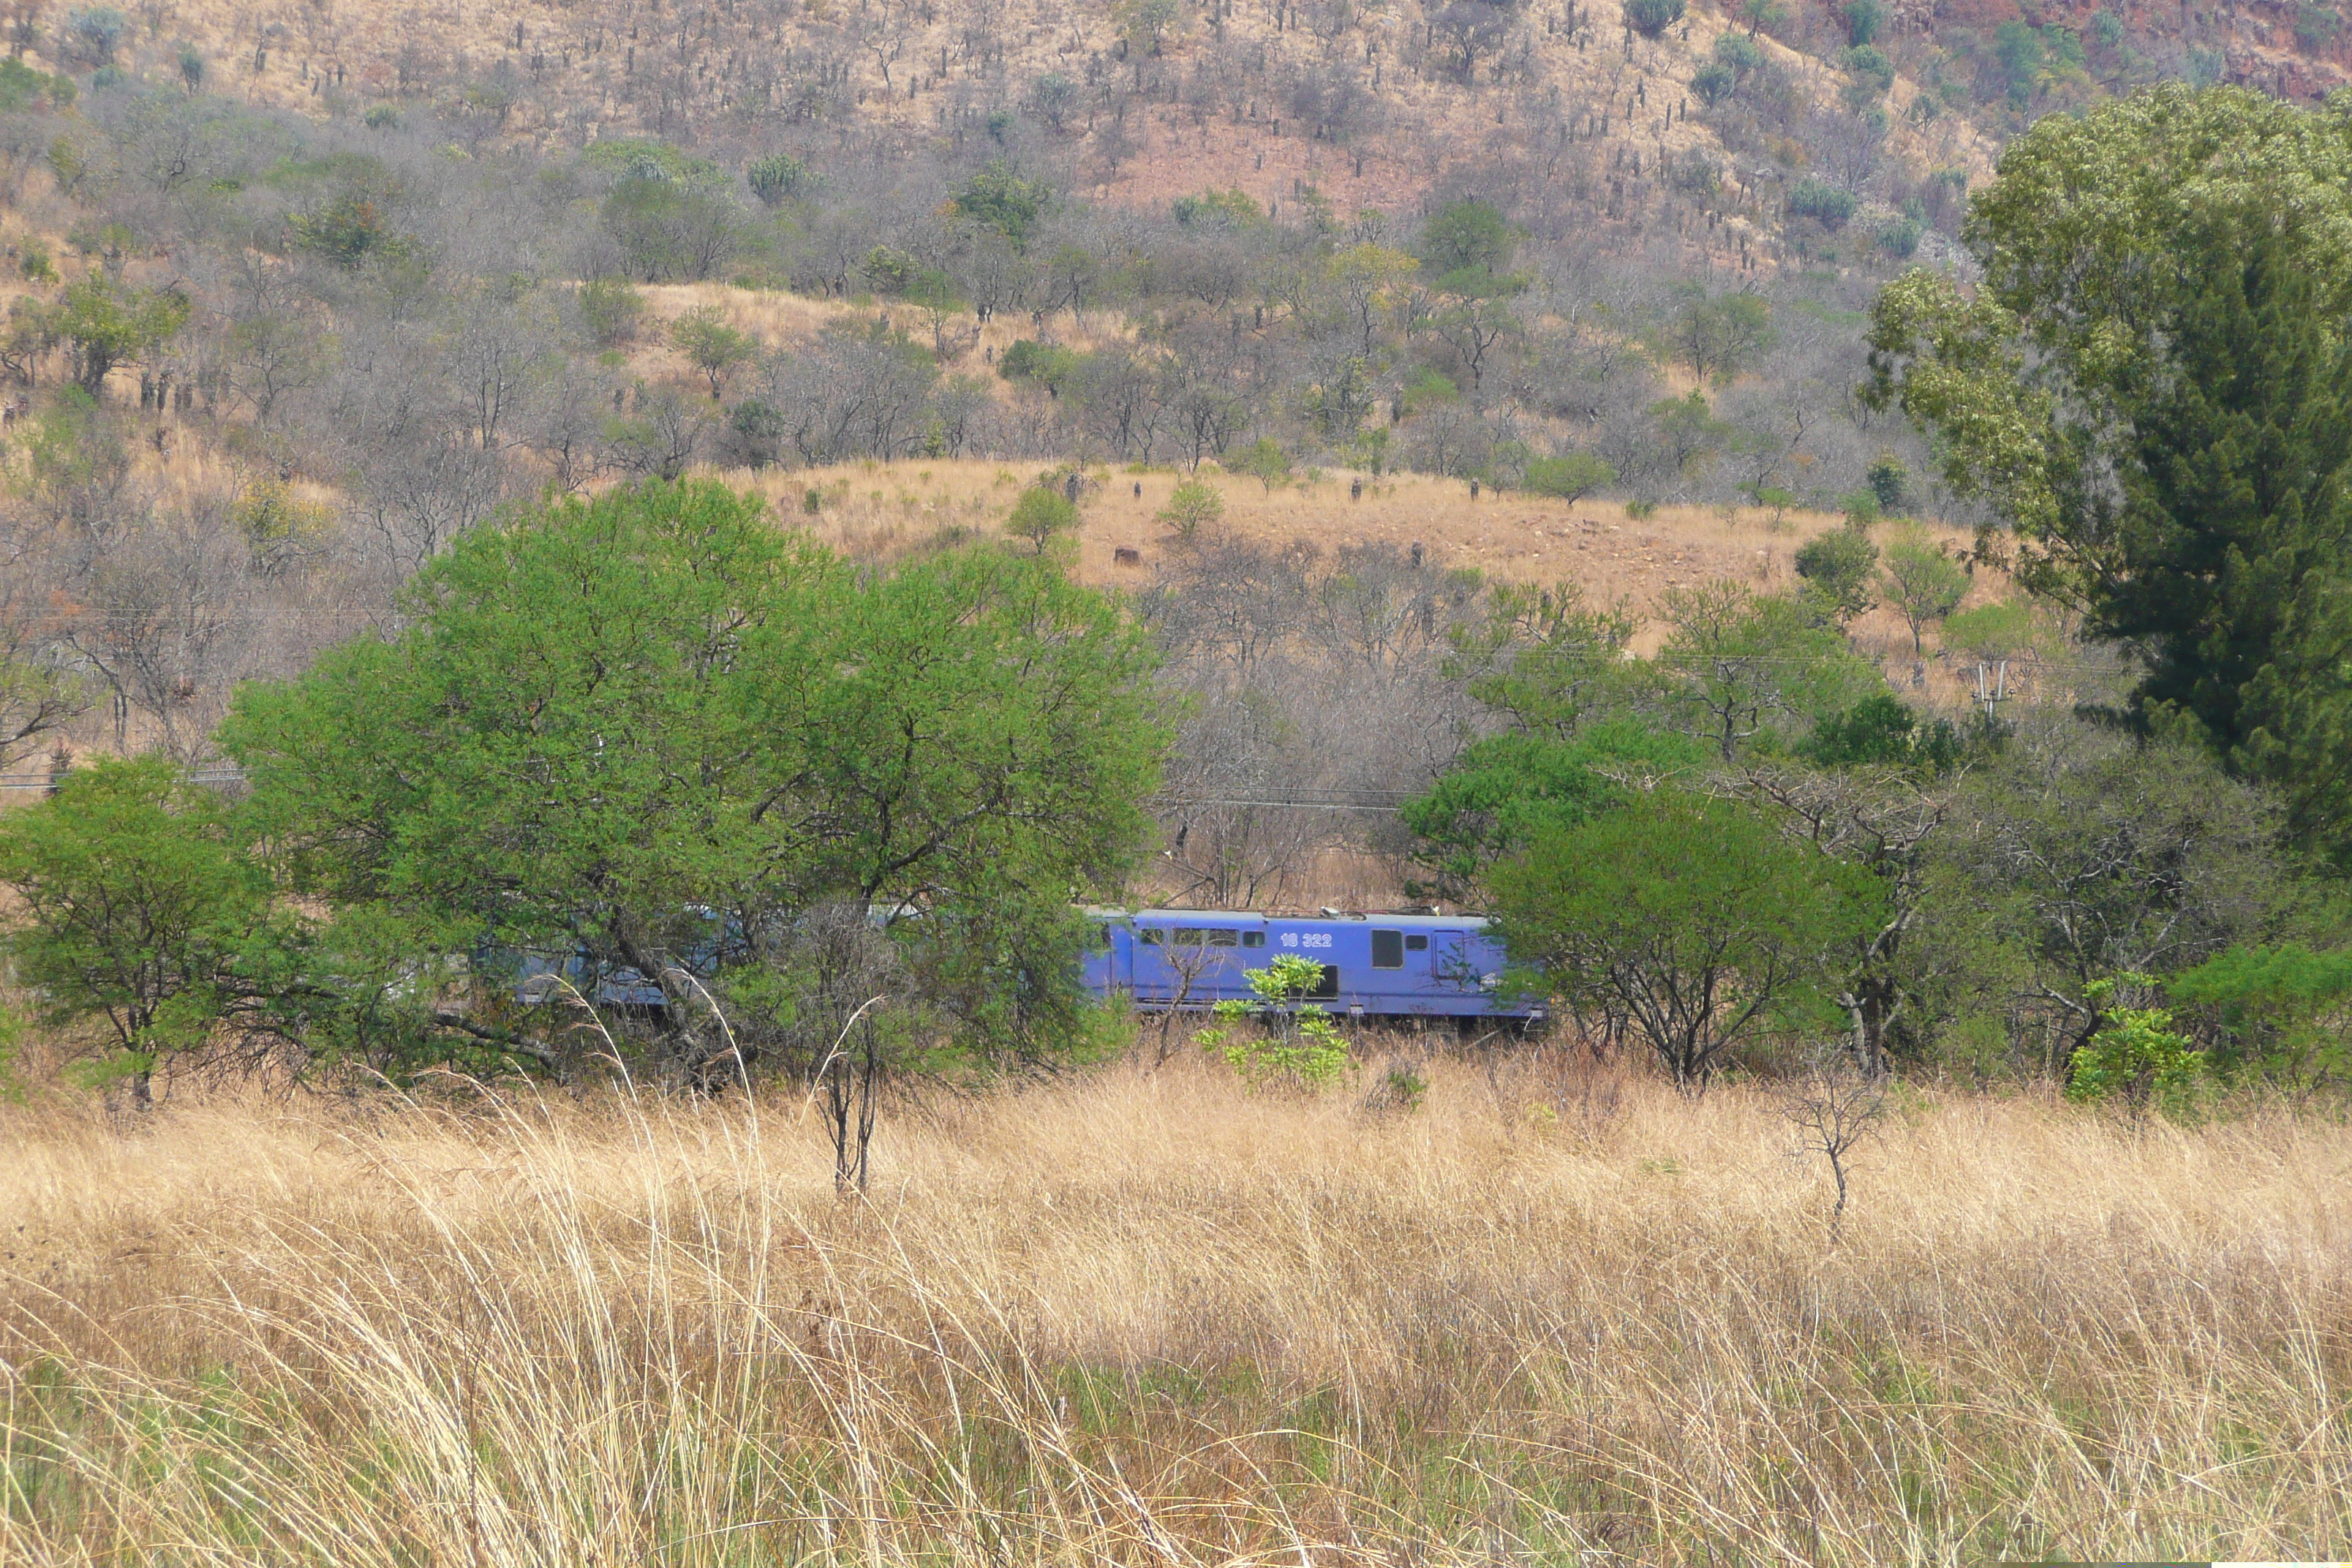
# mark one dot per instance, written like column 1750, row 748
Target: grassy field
column 1553, row 1313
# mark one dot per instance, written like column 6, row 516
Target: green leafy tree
column 1872, row 75
column 1882, row 731
column 1837, row 567
column 1738, row 665
column 1193, row 505
column 2166, row 448
column 105, row 323
column 1505, row 791
column 607, row 714
column 1146, row 24
column 1041, row 516
column 2074, row 854
column 672, row 227
column 1923, row 582
column 1002, row 200
column 138, row 905
column 711, row 344
column 1719, row 338
column 1369, row 280
column 1467, row 248
column 1546, row 657
column 1690, row 917
column 1266, row 462
column 1570, row 477
column 1041, row 365
column 2282, row 1010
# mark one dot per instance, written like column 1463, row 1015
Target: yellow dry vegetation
column 879, row 509
column 1553, row 1314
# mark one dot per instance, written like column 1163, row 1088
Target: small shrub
column 1192, row 506
column 1300, row 1045
column 94, row 33
column 611, row 308
column 1890, row 482
column 1651, row 17
column 2316, row 26
column 1639, row 510
column 779, row 178
column 2137, row 1056
column 1824, row 203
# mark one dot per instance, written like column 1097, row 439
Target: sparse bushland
column 1161, row 1310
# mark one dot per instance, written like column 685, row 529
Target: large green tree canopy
column 2148, row 388
column 607, row 714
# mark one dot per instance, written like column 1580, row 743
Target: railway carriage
column 1403, row 966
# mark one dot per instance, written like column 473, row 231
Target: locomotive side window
column 1190, row 937
column 1224, row 938
column 1417, row 941
column 1388, row 950
column 1151, row 936
column 1328, row 988
column 1252, row 939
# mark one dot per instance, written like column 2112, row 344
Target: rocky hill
column 1731, row 135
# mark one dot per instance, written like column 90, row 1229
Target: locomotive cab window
column 1151, row 936
column 1252, row 939
column 1388, row 950
column 1417, row 941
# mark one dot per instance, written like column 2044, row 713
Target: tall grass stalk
column 1156, row 1320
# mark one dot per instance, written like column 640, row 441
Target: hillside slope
column 1563, row 108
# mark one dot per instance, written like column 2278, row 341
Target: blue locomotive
column 1403, row 966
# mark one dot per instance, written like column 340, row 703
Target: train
column 1373, row 966
column 1379, row 966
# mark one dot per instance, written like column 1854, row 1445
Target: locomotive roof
column 1386, row 922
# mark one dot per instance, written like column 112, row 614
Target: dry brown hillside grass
column 1555, row 1314
column 880, row 508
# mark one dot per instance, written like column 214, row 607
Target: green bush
column 779, row 178
column 1651, row 17
column 1570, row 478
column 1042, row 364
column 1299, row 1044
column 611, row 308
column 1824, row 203
column 1837, row 567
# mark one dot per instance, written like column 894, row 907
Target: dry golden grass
column 1149, row 1318
column 882, row 508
